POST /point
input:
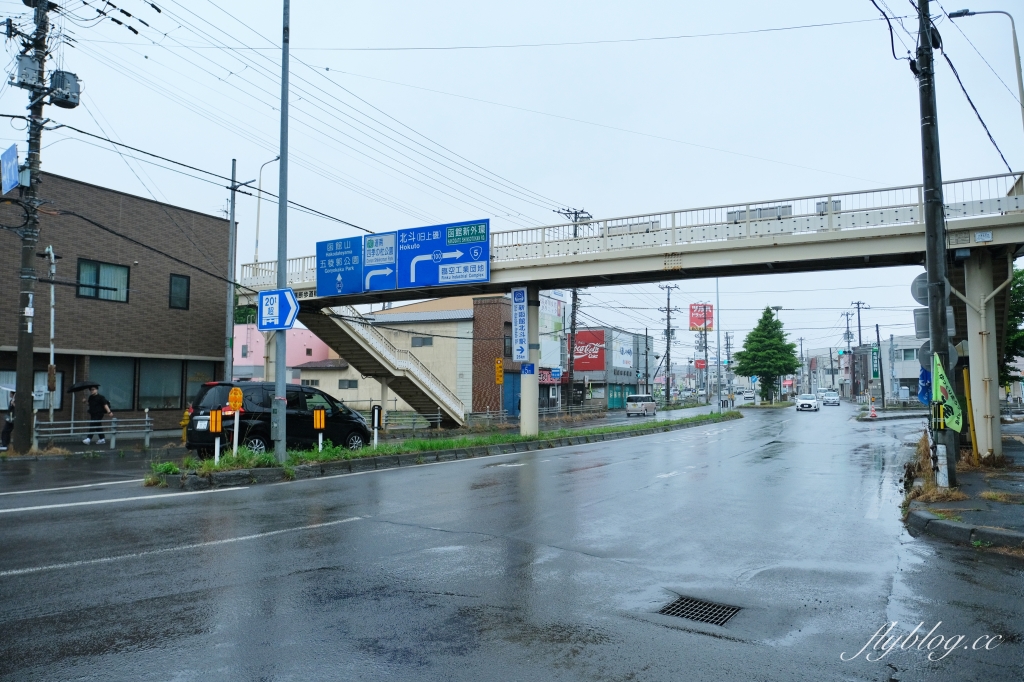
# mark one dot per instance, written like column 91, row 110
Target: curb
column 963, row 533
column 891, row 417
column 239, row 477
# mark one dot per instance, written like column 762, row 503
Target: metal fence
column 50, row 432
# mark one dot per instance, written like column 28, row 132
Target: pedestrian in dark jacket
column 98, row 407
column 5, row 436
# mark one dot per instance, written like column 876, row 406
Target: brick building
column 147, row 328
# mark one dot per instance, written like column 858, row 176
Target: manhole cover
column 702, row 611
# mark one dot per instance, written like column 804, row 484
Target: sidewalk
column 993, row 514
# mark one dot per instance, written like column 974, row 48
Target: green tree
column 767, row 355
column 1013, row 346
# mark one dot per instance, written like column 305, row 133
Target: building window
column 910, row 353
column 421, row 341
column 38, row 389
column 160, row 384
column 309, row 351
column 310, row 382
column 116, row 377
column 103, row 281
column 197, row 373
column 245, row 351
column 508, row 347
column 348, row 383
column 179, row 292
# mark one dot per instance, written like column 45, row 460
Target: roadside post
column 499, row 380
column 235, row 402
column 376, row 414
column 319, row 422
column 216, row 427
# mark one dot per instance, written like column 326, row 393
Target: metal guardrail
column 487, row 418
column 400, row 359
column 47, row 432
column 411, row 420
column 860, row 210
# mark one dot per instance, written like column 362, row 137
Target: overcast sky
column 389, row 139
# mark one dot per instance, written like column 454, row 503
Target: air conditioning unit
column 66, row 91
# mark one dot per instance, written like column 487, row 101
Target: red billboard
column 702, row 314
column 589, row 352
column 700, row 364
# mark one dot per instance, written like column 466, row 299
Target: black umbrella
column 82, row 385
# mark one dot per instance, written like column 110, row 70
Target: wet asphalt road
column 548, row 565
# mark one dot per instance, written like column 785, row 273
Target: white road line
column 668, row 475
column 119, row 499
column 72, row 487
column 197, row 545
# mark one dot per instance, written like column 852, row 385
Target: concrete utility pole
column 718, row 347
column 848, row 336
column 576, row 215
column 881, row 374
column 801, row 340
column 647, row 361
column 23, row 414
column 281, row 357
column 728, row 360
column 934, row 217
column 229, row 327
column 831, row 368
column 668, row 338
column 859, row 304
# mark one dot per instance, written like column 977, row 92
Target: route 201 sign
column 441, row 255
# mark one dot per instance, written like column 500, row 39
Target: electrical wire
column 976, row 112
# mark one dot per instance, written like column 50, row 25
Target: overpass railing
column 965, row 198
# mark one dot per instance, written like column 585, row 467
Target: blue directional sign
column 457, row 253
column 277, row 310
column 9, row 169
column 379, row 265
column 527, row 368
column 339, row 268
column 556, row 373
column 520, row 326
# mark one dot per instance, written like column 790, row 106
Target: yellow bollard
column 970, row 417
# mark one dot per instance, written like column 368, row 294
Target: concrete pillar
column 981, row 348
column 385, row 396
column 269, row 354
column 529, row 386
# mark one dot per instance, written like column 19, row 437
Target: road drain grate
column 702, row 611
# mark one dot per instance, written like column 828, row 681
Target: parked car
column 344, row 426
column 831, row 398
column 807, row 401
column 641, row 405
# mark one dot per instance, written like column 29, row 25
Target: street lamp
column 1016, row 53
column 259, row 202
column 776, row 308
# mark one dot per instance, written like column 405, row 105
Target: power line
column 609, row 41
column 976, row 112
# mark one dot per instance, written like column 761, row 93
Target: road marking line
column 197, row 545
column 72, row 487
column 668, row 475
column 119, row 499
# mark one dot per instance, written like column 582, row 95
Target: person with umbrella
column 5, row 435
column 98, row 407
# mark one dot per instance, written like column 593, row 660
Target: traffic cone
column 873, row 414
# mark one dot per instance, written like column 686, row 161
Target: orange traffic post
column 319, row 424
column 216, row 427
column 235, row 403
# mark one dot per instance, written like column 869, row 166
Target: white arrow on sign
column 371, row 273
column 447, row 254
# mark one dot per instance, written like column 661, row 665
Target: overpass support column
column 529, row 385
column 981, row 348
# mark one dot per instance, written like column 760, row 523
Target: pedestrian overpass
column 862, row 229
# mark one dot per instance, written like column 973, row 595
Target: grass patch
column 981, row 543
column 331, row 452
column 947, row 514
column 164, row 468
column 152, row 480
column 1006, row 498
column 768, row 406
column 942, row 495
column 928, row 491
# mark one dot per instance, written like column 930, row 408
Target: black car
column 344, row 426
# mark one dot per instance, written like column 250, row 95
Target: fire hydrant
column 184, row 426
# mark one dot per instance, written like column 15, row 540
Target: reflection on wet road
column 534, row 566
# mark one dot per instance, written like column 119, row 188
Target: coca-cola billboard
column 589, row 352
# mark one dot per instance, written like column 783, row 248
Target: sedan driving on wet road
column 807, row 401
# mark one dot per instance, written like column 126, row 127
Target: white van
column 640, row 404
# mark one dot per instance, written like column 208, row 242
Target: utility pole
column 281, row 358
column 229, row 327
column 831, row 368
column 801, row 340
column 576, row 215
column 934, row 217
column 23, row 413
column 668, row 338
column 859, row 304
column 647, row 362
column 881, row 374
column 848, row 337
column 728, row 359
column 718, row 346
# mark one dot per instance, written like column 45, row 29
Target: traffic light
column 840, row 352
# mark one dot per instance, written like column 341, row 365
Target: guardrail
column 487, row 418
column 411, row 420
column 48, row 432
column 399, row 358
column 965, row 198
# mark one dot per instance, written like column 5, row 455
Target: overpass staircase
column 354, row 338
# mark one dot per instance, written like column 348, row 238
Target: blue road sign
column 339, row 268
column 379, row 267
column 277, row 310
column 556, row 373
column 527, row 368
column 457, row 253
column 520, row 324
column 9, row 169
